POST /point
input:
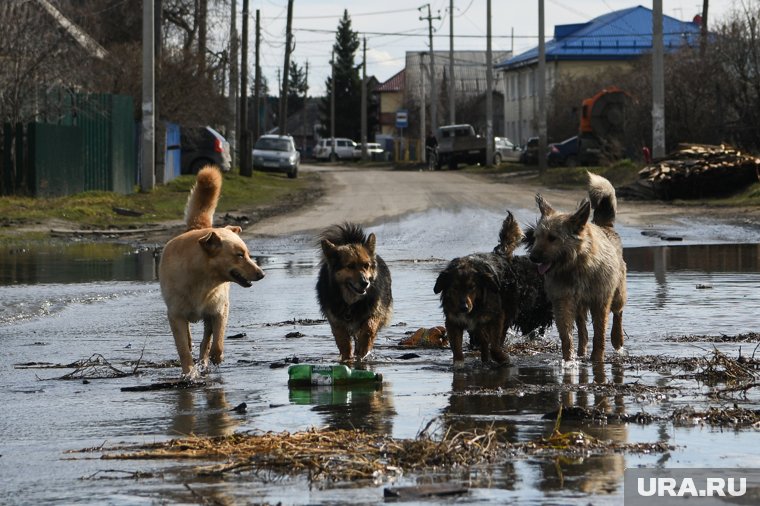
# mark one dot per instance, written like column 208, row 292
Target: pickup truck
column 459, row 144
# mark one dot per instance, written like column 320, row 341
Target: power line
column 355, row 15
column 506, row 37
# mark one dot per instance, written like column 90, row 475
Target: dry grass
column 346, row 455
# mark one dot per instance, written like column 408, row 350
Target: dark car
column 529, row 153
column 563, row 153
column 201, row 146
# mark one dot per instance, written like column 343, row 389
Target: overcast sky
column 393, row 27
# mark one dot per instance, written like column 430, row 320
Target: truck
column 459, row 144
column 605, row 130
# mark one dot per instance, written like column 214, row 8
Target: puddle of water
column 62, row 319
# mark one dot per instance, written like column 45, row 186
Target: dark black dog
column 488, row 293
column 353, row 289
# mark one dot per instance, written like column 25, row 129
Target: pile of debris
column 695, row 171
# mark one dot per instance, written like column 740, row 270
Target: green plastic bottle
column 314, row 375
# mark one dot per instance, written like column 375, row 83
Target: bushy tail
column 603, row 200
column 201, row 204
column 509, row 236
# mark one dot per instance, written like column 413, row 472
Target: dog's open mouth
column 240, row 279
column 544, row 268
column 355, row 289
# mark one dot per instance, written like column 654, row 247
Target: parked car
column 505, row 150
column 374, row 151
column 276, row 153
column 529, row 152
column 201, row 146
column 459, row 144
column 334, row 150
column 563, row 153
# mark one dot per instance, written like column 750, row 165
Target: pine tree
column 296, row 88
column 347, row 85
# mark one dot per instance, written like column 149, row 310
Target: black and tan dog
column 353, row 289
column 196, row 270
column 488, row 293
column 582, row 263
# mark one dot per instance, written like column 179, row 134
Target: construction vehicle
column 605, row 131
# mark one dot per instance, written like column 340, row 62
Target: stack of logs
column 695, row 171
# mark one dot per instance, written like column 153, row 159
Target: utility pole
column 233, row 89
column 148, row 171
column 658, row 83
column 202, row 35
column 489, row 88
column 257, row 81
column 305, row 99
column 283, row 123
column 332, row 106
column 452, row 85
column 703, row 29
column 541, row 91
column 245, row 150
column 422, row 107
column 364, row 99
column 433, row 84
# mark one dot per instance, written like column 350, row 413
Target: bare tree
column 40, row 61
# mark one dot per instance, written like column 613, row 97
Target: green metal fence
column 55, row 160
column 91, row 147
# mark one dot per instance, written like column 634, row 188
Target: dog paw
column 216, row 357
column 194, row 374
column 459, row 365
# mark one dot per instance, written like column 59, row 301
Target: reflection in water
column 704, row 258
column 598, row 474
column 482, row 397
column 77, row 263
column 363, row 406
column 699, row 258
column 212, row 417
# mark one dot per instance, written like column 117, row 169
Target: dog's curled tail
column 603, row 200
column 510, row 236
column 201, row 204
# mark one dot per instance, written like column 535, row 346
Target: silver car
column 505, row 150
column 276, row 153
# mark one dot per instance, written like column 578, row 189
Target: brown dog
column 353, row 289
column 196, row 270
column 583, row 267
column 486, row 294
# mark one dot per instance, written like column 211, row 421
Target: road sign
column 402, row 118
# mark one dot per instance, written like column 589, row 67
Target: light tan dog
column 583, row 267
column 196, row 270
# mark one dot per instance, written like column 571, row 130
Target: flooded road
column 75, row 300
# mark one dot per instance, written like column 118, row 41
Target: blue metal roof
column 619, row 35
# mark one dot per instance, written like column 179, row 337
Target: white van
column 343, row 149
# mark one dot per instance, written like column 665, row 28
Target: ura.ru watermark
column 700, row 487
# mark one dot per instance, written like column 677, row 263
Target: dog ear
column 328, row 248
column 543, row 206
column 443, row 281
column 580, row 218
column 211, row 243
column 370, row 244
column 234, row 228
